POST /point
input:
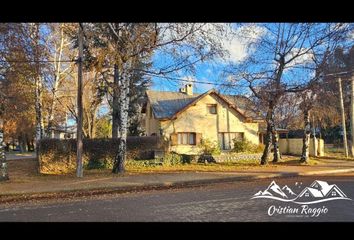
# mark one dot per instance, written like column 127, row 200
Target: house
column 63, row 132
column 185, row 118
column 328, row 190
column 309, row 192
column 321, row 189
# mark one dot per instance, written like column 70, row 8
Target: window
column 307, row 194
column 226, row 139
column 187, row 138
column 334, row 193
column 212, row 108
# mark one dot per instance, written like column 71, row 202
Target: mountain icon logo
column 318, row 191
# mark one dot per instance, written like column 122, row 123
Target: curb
column 16, row 198
column 347, row 170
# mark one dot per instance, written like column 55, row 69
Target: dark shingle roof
column 167, row 104
column 245, row 105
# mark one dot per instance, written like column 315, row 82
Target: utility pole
column 343, row 117
column 79, row 168
column 352, row 115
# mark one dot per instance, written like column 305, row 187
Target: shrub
column 144, row 163
column 172, row 159
column 189, row 158
column 245, row 146
column 208, row 147
column 59, row 155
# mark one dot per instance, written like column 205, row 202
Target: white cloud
column 301, row 60
column 235, row 40
column 239, row 45
column 237, row 50
column 351, row 35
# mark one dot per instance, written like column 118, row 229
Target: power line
column 36, row 61
column 196, row 81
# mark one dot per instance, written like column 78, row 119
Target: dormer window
column 212, row 108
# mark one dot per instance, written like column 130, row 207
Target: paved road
column 220, row 202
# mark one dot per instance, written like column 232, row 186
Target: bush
column 172, row 159
column 245, row 146
column 59, row 155
column 144, row 163
column 189, row 158
column 208, row 147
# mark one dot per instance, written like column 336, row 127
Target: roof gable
column 336, row 189
column 312, row 191
column 166, row 104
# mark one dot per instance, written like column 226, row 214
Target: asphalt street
column 215, row 203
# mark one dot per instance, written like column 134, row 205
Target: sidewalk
column 19, row 156
column 28, row 187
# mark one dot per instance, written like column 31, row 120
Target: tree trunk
column 352, row 115
column 79, row 143
column 22, row 142
column 306, row 138
column 275, row 139
column 3, row 165
column 120, row 157
column 345, row 142
column 268, row 137
column 57, row 65
column 314, row 137
column 38, row 97
column 38, row 106
column 51, row 110
column 116, row 105
column 28, row 143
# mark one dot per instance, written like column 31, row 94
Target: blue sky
column 239, row 50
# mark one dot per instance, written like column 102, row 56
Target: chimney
column 182, row 90
column 187, row 89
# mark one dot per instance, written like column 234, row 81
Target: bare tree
column 123, row 44
column 59, row 49
column 308, row 98
column 280, row 63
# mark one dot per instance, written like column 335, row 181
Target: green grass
column 336, row 153
column 200, row 167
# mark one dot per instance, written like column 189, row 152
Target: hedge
column 59, row 155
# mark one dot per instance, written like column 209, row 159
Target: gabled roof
column 167, row 105
column 313, row 191
column 337, row 189
column 324, row 187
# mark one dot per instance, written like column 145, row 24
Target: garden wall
column 294, row 146
column 231, row 157
column 59, row 155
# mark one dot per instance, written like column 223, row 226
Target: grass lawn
column 25, row 170
column 336, row 153
column 198, row 167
